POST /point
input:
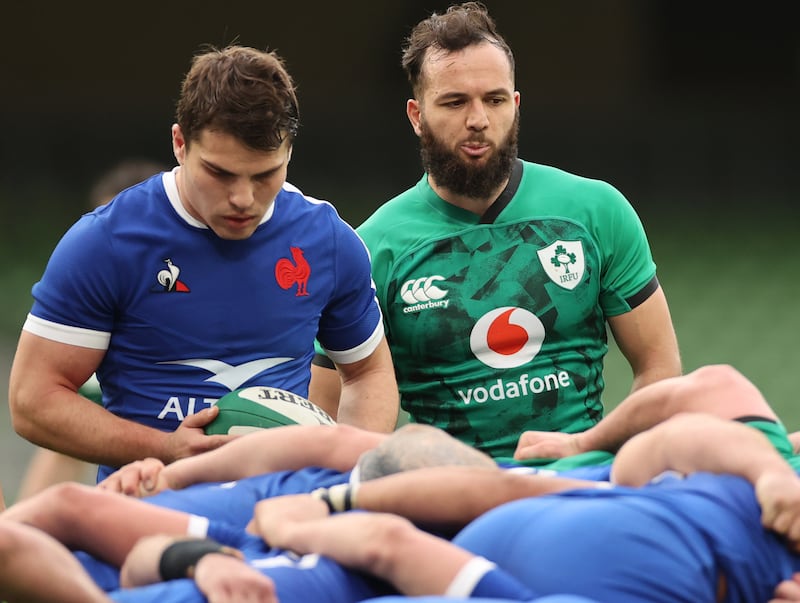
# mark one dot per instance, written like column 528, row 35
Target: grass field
column 733, row 290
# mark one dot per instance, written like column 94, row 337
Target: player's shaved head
column 415, row 446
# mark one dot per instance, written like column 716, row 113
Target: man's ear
column 178, row 144
column 414, row 114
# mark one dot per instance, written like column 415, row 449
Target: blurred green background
column 689, row 108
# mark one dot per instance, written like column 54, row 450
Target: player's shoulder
column 294, row 193
column 543, row 175
column 397, row 216
column 134, row 202
column 294, row 204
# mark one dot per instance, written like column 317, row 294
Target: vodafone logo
column 507, row 337
column 422, row 290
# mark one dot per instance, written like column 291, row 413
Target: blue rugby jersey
column 186, row 317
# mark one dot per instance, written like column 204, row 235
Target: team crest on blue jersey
column 563, row 262
column 168, row 279
column 295, row 271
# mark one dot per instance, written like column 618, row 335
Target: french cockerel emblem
column 295, row 271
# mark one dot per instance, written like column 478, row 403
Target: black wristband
column 179, row 558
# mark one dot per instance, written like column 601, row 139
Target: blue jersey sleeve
column 497, row 584
column 351, row 325
column 77, row 286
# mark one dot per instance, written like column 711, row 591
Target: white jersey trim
column 197, row 526
column 468, row 577
column 361, row 351
column 85, row 338
column 171, row 188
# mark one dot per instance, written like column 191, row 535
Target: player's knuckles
column 793, row 533
column 111, row 483
column 782, row 523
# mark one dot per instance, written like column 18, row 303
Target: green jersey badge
column 563, row 262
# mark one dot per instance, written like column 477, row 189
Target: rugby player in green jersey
column 497, row 277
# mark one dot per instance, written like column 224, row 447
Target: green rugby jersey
column 497, row 324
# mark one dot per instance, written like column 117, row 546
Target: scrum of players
column 687, row 491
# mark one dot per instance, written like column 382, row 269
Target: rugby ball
column 253, row 408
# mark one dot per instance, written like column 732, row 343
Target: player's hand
column 787, row 591
column 190, row 439
column 546, row 445
column 272, row 517
column 794, row 438
column 225, row 579
column 779, row 497
column 139, row 479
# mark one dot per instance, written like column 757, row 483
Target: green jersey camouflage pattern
column 497, row 328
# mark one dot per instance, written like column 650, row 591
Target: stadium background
column 689, row 108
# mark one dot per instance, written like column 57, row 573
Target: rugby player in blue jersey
column 723, row 524
column 213, row 276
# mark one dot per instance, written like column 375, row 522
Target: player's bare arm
column 369, row 396
column 386, row 545
column 221, row 577
column 325, row 388
column 284, row 448
column 693, row 442
column 719, row 390
column 647, row 339
column 60, row 511
column 444, row 498
column 47, row 410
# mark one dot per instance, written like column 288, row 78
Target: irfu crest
column 563, row 262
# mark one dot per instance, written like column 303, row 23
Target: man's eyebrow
column 225, row 172
column 454, row 94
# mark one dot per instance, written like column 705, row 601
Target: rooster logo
column 288, row 273
column 168, row 278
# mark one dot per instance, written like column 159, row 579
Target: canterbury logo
column 297, row 270
column 422, row 290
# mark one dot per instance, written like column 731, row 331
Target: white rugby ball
column 253, row 408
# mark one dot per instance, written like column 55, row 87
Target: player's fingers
column 125, row 480
column 215, row 441
column 540, row 450
column 788, row 590
column 784, row 522
column 111, row 483
column 146, row 480
column 200, row 419
column 528, row 437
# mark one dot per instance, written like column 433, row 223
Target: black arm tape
column 179, row 558
column 323, row 361
column 644, row 293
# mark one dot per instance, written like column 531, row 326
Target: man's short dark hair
column 240, row 91
column 462, row 25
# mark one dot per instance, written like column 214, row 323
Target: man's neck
column 472, row 204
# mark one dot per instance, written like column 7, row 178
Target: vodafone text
column 524, row 386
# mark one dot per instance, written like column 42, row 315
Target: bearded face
column 462, row 176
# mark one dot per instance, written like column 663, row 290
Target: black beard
column 459, row 177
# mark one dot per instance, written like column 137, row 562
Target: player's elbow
column 720, row 390
column 390, row 541
column 22, row 407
